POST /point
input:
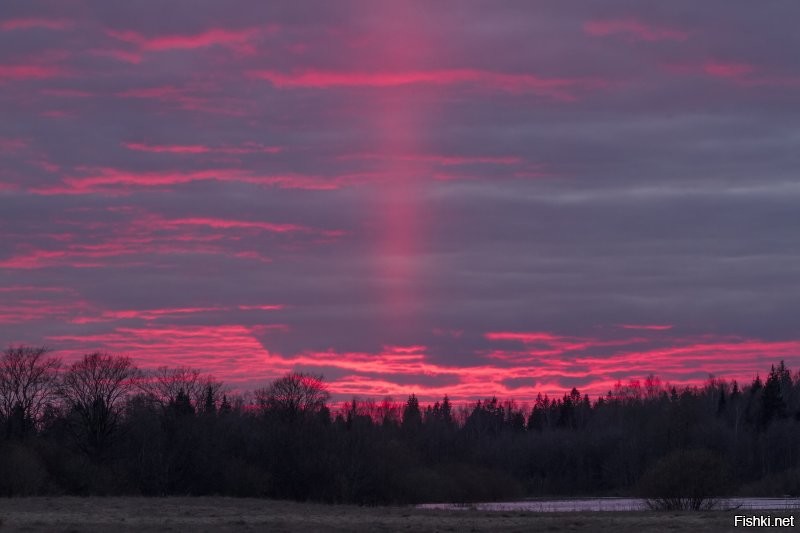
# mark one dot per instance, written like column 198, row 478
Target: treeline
column 101, row 426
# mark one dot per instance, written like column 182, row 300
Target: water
column 611, row 504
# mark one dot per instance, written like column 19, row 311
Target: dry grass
column 196, row 515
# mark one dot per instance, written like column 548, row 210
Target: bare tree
column 389, row 412
column 27, row 381
column 294, row 394
column 164, row 385
column 93, row 390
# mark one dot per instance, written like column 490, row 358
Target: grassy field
column 196, row 515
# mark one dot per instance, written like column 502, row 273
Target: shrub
column 689, row 480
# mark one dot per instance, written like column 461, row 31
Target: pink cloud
column 171, row 149
column 142, row 235
column 159, row 93
column 44, row 164
column 237, row 224
column 737, row 73
column 648, row 327
column 120, row 55
column 34, row 288
column 100, row 253
column 262, row 307
column 556, row 88
column 28, row 72
column 82, row 313
column 549, row 344
column 446, row 167
column 246, row 148
column 12, row 144
column 28, row 23
column 727, row 70
column 142, row 314
column 20, row 304
column 445, row 160
column 110, row 177
column 121, row 182
column 148, row 220
column 525, row 337
column 230, row 352
column 33, row 259
column 738, row 358
column 634, row 29
column 454, row 333
column 66, row 93
column 237, row 40
column 240, row 356
column 201, row 98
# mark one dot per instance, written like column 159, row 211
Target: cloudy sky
column 471, row 197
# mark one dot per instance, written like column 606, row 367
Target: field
column 121, row 515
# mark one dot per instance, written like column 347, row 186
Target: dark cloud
column 404, row 175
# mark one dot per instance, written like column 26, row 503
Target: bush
column 686, row 480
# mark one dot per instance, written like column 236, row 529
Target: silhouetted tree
column 164, row 384
column 294, row 395
column 173, row 431
column 181, row 406
column 225, row 405
column 772, row 403
column 28, row 378
column 412, row 415
column 209, row 401
column 93, row 390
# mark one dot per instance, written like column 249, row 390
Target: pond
column 610, row 504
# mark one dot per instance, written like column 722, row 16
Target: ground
column 199, row 515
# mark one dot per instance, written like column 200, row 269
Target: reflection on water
column 610, row 504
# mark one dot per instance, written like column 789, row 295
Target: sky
column 466, row 197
